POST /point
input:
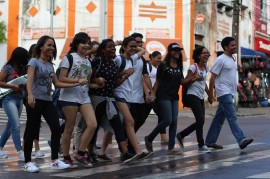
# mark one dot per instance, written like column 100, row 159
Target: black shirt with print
column 170, row 80
column 110, row 72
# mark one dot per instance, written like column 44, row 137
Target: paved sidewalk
column 210, row 111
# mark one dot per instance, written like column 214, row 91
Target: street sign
column 200, row 18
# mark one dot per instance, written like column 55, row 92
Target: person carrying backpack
column 138, row 100
column 124, row 93
column 76, row 99
column 195, row 96
column 106, row 110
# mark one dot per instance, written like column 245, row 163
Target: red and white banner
column 262, row 45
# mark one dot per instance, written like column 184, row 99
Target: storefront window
column 254, row 81
column 263, row 10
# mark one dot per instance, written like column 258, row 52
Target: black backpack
column 150, row 66
column 185, row 89
column 56, row 93
column 123, row 63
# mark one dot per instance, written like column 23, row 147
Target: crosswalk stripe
column 262, row 175
column 205, row 167
column 146, row 162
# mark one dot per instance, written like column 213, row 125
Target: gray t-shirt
column 198, row 87
column 11, row 75
column 42, row 83
column 81, row 68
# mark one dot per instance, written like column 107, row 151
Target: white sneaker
column 204, row 148
column 58, row 164
column 30, row 167
column 21, row 155
column 3, row 155
column 39, row 154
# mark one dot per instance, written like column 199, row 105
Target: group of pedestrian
column 100, row 89
column 223, row 79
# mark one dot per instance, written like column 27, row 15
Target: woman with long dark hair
column 195, row 96
column 105, row 68
column 130, row 52
column 152, row 65
column 40, row 77
column 169, row 79
column 76, row 99
column 13, row 102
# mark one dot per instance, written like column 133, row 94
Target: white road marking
column 211, row 165
column 262, row 175
column 146, row 162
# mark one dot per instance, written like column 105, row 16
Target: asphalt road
column 231, row 162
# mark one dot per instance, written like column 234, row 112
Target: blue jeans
column 13, row 109
column 168, row 113
column 226, row 110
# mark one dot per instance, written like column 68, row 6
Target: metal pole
column 103, row 20
column 235, row 34
column 52, row 13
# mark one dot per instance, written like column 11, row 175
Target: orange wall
column 178, row 18
column 13, row 26
column 71, row 17
column 127, row 17
column 110, row 18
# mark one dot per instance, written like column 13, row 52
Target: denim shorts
column 123, row 100
column 66, row 103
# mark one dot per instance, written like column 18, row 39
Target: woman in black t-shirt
column 169, row 78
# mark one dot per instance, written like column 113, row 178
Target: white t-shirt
column 152, row 73
column 198, row 87
column 137, row 89
column 125, row 90
column 81, row 68
column 225, row 68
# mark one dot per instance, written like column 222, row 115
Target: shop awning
column 261, row 54
column 248, row 53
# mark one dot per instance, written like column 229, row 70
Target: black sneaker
column 180, row 140
column 92, row 157
column 214, row 146
column 148, row 144
column 128, row 157
column 245, row 143
column 104, row 158
column 144, row 155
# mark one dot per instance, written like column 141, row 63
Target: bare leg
column 163, row 138
column 70, row 113
column 88, row 115
column 129, row 125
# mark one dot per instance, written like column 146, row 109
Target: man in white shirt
column 223, row 78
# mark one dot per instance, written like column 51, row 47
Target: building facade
column 161, row 22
